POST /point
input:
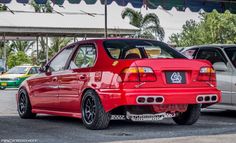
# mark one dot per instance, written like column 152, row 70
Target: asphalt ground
column 214, row 126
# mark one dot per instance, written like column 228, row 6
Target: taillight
column 207, row 74
column 136, row 74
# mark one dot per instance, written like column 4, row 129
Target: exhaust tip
column 213, row 98
column 200, row 99
column 141, row 100
column 150, row 99
column 207, row 98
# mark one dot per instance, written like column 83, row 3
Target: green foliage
column 148, row 24
column 19, row 58
column 42, row 8
column 57, row 43
column 214, row 28
column 3, row 7
column 23, row 46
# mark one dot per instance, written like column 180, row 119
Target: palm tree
column 42, row 8
column 57, row 43
column 3, row 7
column 23, row 46
column 148, row 24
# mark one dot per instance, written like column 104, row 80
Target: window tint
column 231, row 53
column 84, row 57
column 212, row 55
column 139, row 49
column 59, row 62
column 33, row 70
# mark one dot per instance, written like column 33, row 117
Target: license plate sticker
column 175, row 77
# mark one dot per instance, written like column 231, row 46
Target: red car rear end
column 131, row 79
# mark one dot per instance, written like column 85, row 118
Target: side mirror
column 43, row 69
column 220, row 66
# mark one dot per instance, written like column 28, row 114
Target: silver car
column 223, row 59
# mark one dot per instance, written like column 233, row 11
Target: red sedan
column 131, row 79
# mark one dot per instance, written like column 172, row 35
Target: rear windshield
column 139, row 49
column 231, row 53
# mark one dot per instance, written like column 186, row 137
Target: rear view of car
column 128, row 79
column 155, row 79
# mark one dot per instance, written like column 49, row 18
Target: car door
column 224, row 78
column 72, row 82
column 231, row 53
column 45, row 86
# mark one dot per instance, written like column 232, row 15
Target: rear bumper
column 112, row 98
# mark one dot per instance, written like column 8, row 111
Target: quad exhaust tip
column 211, row 98
column 150, row 99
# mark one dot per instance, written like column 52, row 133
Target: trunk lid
column 174, row 73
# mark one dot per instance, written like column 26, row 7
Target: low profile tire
column 190, row 116
column 24, row 106
column 93, row 114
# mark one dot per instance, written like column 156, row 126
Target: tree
column 148, row 24
column 57, row 44
column 23, row 46
column 214, row 28
column 3, row 7
column 42, row 8
column 19, row 58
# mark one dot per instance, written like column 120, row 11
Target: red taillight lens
column 135, row 74
column 207, row 74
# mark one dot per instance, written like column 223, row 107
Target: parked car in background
column 223, row 58
column 15, row 76
column 100, row 80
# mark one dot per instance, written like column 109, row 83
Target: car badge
column 176, row 77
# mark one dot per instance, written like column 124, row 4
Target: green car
column 15, row 76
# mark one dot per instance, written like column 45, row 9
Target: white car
column 223, row 59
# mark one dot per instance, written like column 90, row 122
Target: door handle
column 83, row 77
column 54, row 79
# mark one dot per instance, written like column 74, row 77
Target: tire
column 190, row 116
column 93, row 114
column 24, row 106
column 2, row 88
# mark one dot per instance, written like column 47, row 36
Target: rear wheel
column 93, row 114
column 24, row 106
column 190, row 116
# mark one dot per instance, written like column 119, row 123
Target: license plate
column 175, row 77
column 3, row 84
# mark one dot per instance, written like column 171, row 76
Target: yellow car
column 15, row 76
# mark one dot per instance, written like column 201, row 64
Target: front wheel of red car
column 190, row 116
column 93, row 114
column 24, row 106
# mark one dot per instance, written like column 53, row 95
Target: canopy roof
column 49, row 24
column 193, row 5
